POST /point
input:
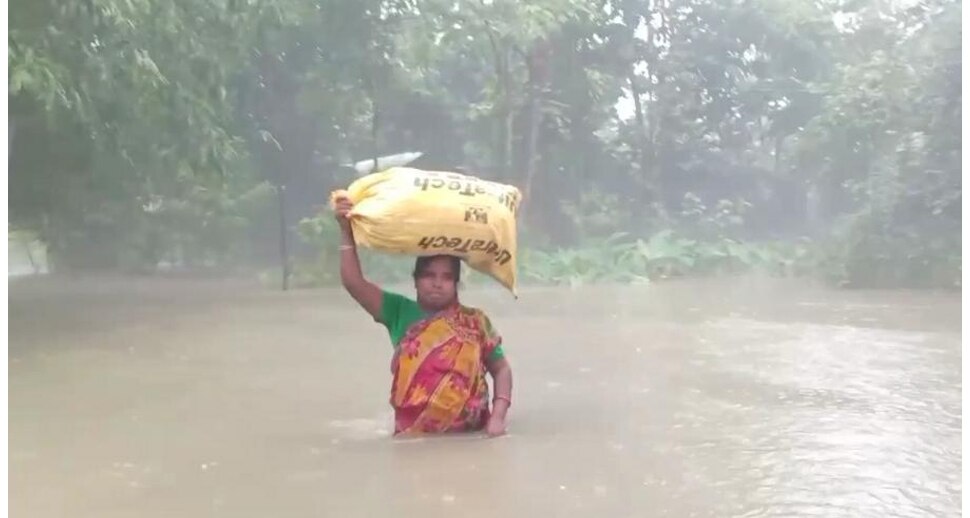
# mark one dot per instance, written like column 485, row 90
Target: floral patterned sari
column 439, row 373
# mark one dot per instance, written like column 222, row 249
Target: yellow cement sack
column 410, row 211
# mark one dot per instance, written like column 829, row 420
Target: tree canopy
column 163, row 132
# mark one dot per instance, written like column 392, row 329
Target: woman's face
column 436, row 285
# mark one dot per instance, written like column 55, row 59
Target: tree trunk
column 508, row 134
column 11, row 131
column 284, row 252
column 644, row 130
column 654, row 145
column 538, row 78
column 374, row 132
column 647, row 122
column 505, row 121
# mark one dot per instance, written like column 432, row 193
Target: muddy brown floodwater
column 737, row 397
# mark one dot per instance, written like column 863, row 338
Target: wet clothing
column 399, row 313
column 439, row 367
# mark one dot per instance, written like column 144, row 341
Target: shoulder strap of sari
column 476, row 323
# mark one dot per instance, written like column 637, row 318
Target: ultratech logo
column 463, row 246
column 468, row 187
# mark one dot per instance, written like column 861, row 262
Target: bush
column 664, row 255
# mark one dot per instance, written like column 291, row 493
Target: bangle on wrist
column 502, row 398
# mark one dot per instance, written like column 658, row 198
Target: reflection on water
column 701, row 398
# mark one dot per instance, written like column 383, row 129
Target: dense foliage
column 701, row 136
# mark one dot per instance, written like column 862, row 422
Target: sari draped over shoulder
column 439, row 373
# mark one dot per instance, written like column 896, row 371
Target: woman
column 442, row 348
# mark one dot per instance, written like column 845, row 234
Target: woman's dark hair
column 421, row 264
